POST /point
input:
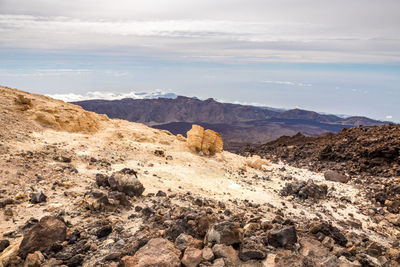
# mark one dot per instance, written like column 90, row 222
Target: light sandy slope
column 125, row 144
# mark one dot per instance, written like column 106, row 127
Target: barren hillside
column 69, row 196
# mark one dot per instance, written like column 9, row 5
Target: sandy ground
column 223, row 177
column 29, row 163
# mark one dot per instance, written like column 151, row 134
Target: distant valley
column 239, row 125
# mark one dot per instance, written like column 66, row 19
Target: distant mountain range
column 238, row 124
column 71, row 97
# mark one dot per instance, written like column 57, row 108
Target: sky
column 340, row 57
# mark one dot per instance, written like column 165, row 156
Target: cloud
column 389, row 117
column 71, row 97
column 289, row 83
column 201, row 39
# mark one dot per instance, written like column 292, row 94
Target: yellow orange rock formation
column 203, row 141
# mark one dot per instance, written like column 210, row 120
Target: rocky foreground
column 79, row 189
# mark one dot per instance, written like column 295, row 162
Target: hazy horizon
column 337, row 57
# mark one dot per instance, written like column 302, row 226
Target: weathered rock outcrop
column 207, row 142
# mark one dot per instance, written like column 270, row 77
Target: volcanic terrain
column 80, row 189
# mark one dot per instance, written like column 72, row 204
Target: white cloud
column 229, row 39
column 289, row 83
column 71, row 97
column 389, row 117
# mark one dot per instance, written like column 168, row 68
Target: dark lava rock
column 42, row 236
column 4, row 243
column 38, row 198
column 116, row 198
column 224, row 233
column 72, row 238
column 251, row 250
column 336, row 177
column 329, row 230
column 104, row 231
column 75, row 261
column 305, row 190
column 128, row 172
column 159, row 153
column 366, row 151
column 6, row 201
column 113, row 256
column 282, row 237
column 161, row 194
column 127, row 184
column 102, row 180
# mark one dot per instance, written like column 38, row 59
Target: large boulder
column 226, row 233
column 158, row 252
column 184, row 241
column 192, row 257
column 329, row 230
column 227, row 253
column 126, row 183
column 34, row 259
column 282, row 237
column 42, row 236
column 336, row 177
column 305, row 190
column 4, row 243
column 207, row 142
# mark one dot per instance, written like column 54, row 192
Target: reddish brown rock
column 192, row 257
column 158, row 252
column 42, row 236
column 184, row 241
column 34, row 259
column 228, row 253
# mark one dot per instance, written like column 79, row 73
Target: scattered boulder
column 192, row 257
column 42, row 236
column 282, row 237
column 226, row 233
column 118, row 198
column 313, row 248
column 228, row 253
column 393, row 219
column 207, row 142
column 329, row 230
column 251, row 250
column 336, row 177
column 184, row 241
column 4, row 243
column 207, row 254
column 104, row 231
column 6, row 201
column 159, row 153
column 374, row 249
column 305, row 190
column 102, row 180
column 257, row 162
column 34, row 259
column 126, row 183
column 38, row 198
column 158, row 252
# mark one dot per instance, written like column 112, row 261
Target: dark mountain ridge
column 238, row 124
